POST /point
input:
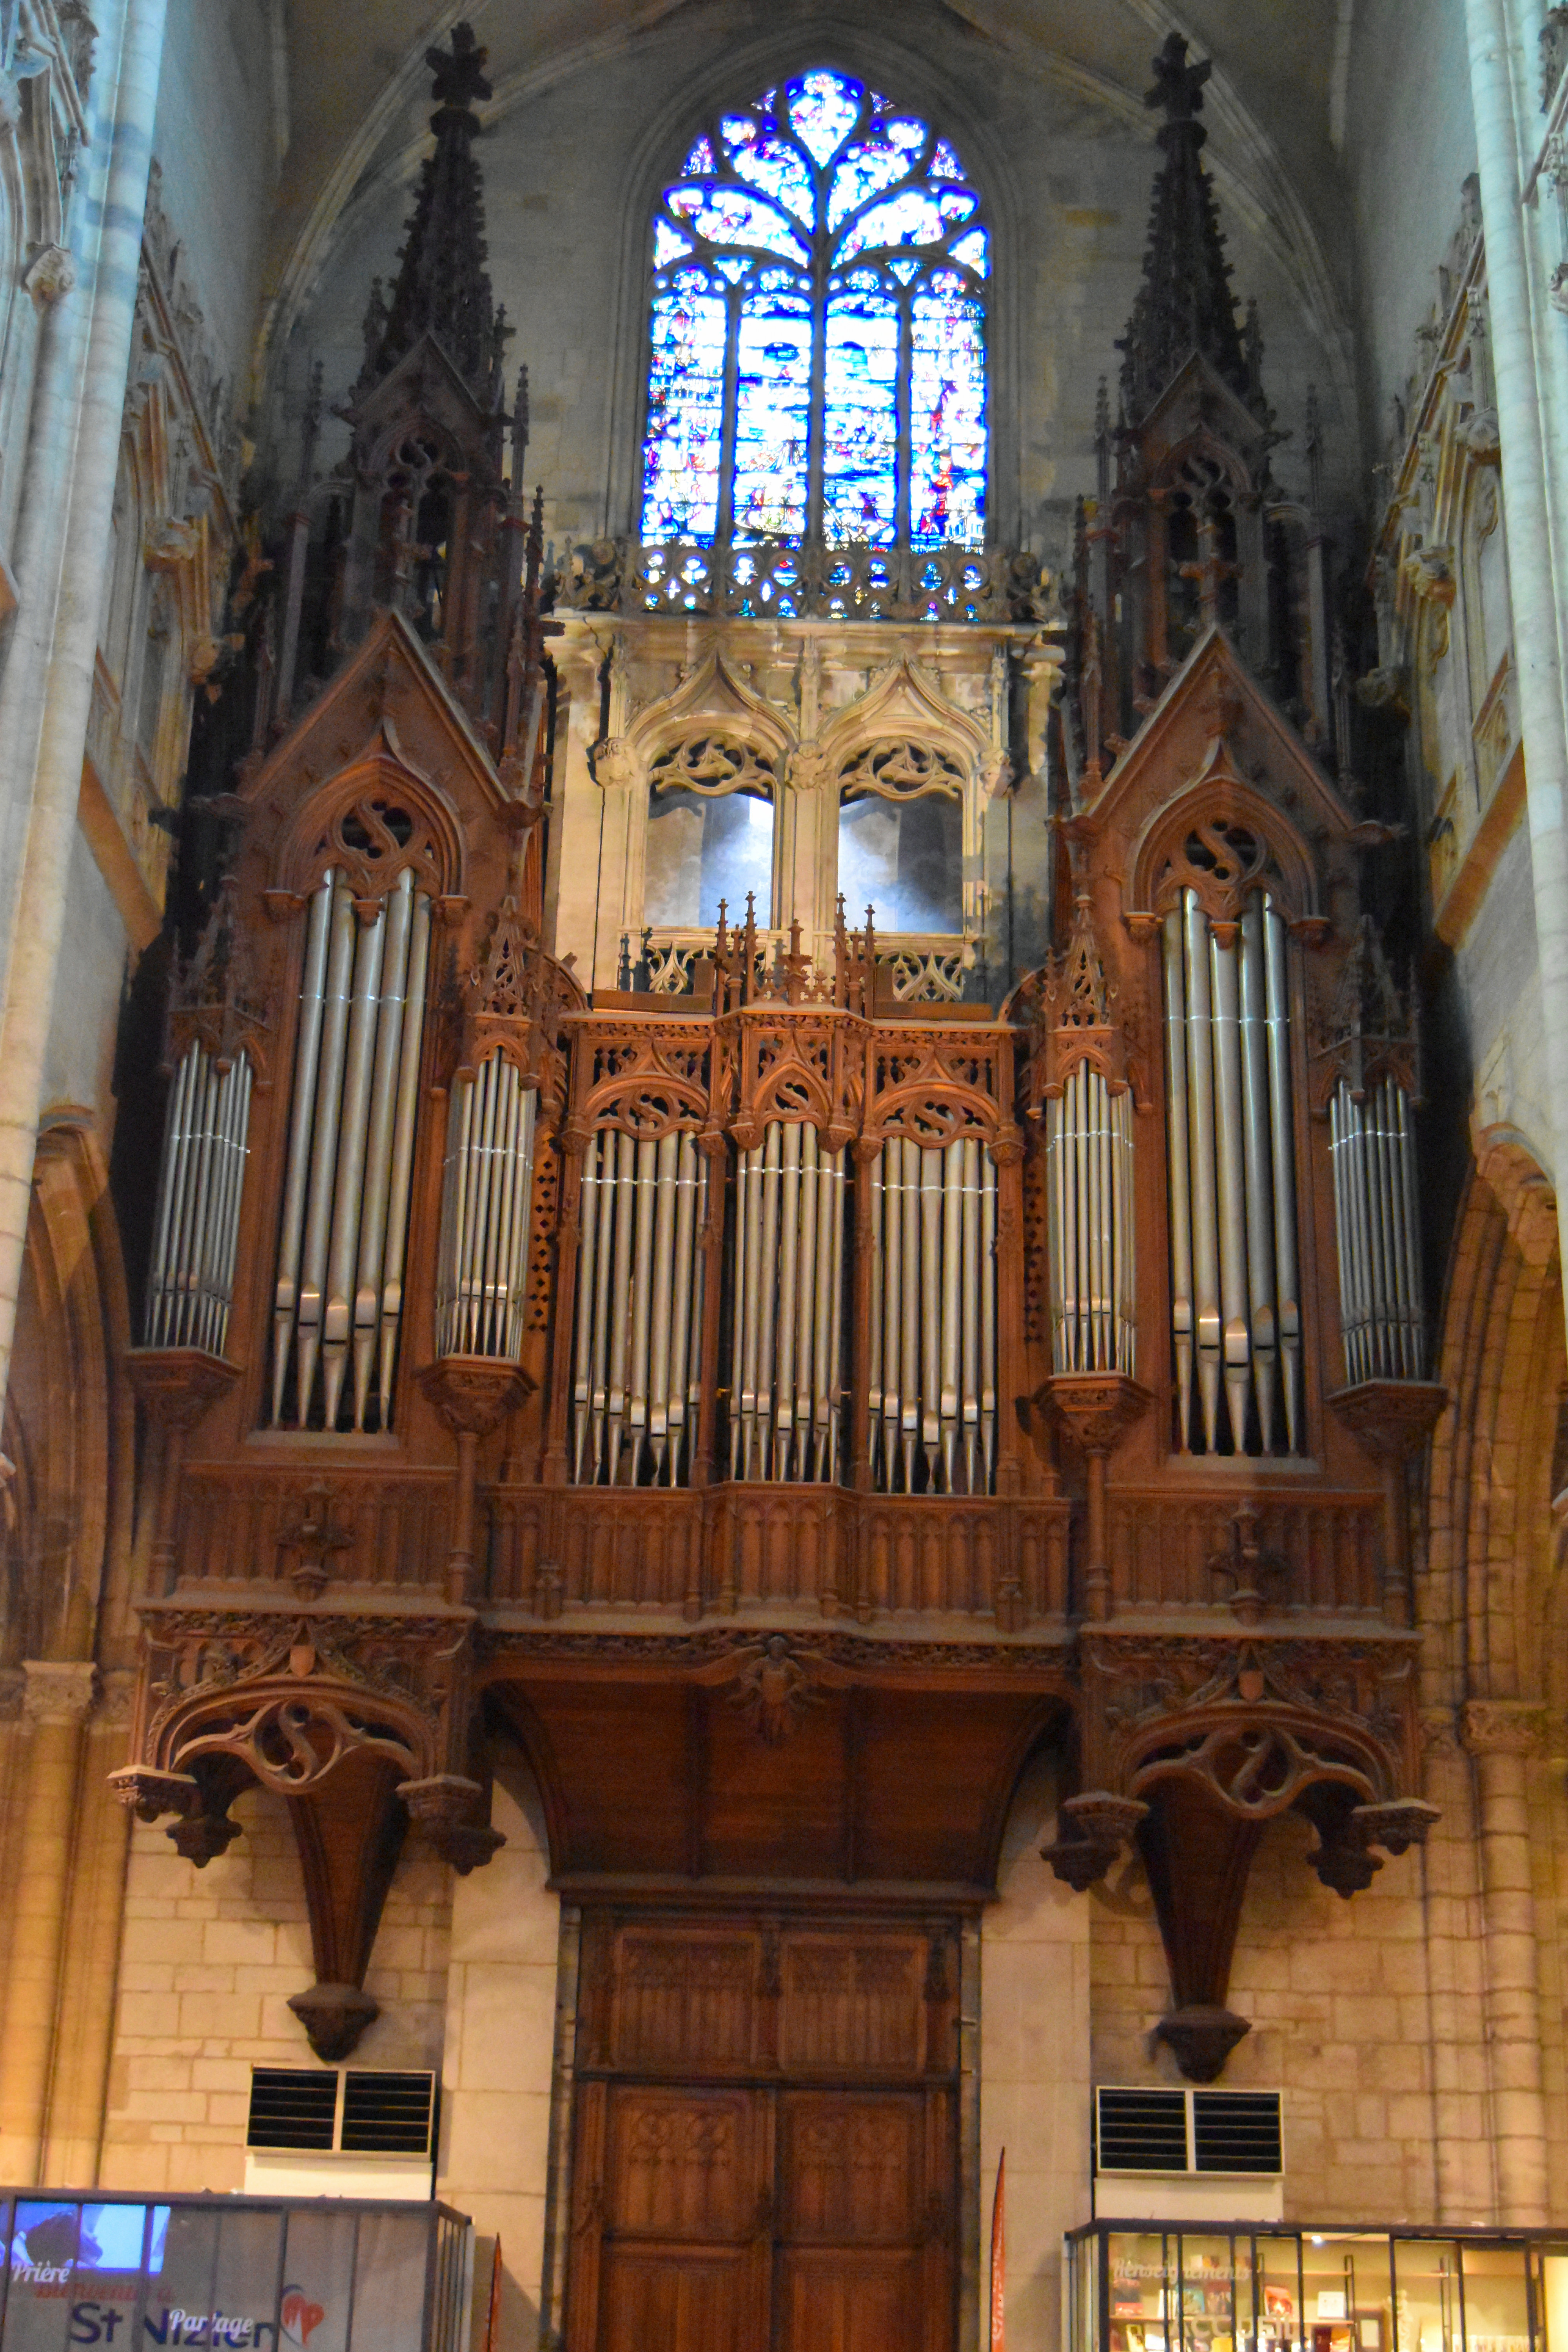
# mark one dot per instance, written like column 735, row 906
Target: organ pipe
column 931, row 1349
column 787, row 1327
column 1089, row 1190
column 637, row 1358
column 338, row 1294
column 1373, row 1153
column 1236, row 1318
column 196, row 1230
column 482, row 1275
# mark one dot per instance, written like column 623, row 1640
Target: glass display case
column 231, row 2274
column 1178, row 2288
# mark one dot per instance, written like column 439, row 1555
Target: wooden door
column 765, row 2151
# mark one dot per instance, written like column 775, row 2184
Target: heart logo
column 301, row 2318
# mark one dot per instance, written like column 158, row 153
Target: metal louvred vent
column 1188, row 2132
column 387, row 2115
column 1142, row 2131
column 292, row 2108
column 1236, row 2131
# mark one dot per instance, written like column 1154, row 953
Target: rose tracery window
column 817, row 331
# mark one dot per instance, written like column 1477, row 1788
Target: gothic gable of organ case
column 777, row 1389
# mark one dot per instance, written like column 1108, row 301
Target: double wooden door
column 765, row 2157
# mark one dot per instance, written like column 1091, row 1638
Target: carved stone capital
column 50, row 275
column 57, row 1690
column 176, row 1386
column 1504, row 1727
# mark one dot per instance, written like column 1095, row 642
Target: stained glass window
column 817, row 331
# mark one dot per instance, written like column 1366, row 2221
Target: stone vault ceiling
column 358, row 100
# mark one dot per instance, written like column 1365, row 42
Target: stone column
column 79, row 2086
column 1519, row 367
column 67, row 701
column 1502, row 1735
column 63, row 279
column 1451, row 1897
column 576, row 925
column 55, row 1699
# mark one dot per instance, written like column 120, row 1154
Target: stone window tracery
column 817, row 331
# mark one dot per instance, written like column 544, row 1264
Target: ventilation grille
column 1139, row 2130
column 327, row 2110
column 387, row 2114
column 291, row 2108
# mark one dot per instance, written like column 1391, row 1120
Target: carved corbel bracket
column 452, row 1811
column 1094, row 1829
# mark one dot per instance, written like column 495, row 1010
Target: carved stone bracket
column 1094, row 1829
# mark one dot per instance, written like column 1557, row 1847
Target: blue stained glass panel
column 817, row 174
column 871, row 165
column 684, row 412
column 911, row 218
column 776, row 167
column 732, row 216
column 772, row 416
column 947, row 414
column 824, row 108
column 974, row 251
column 861, row 411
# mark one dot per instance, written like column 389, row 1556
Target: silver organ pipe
column 787, row 1322
column 1374, row 1153
column 932, row 1345
column 190, row 1289
column 338, row 1296
column 482, row 1271
column 1236, row 1319
column 1088, row 1191
column 637, row 1359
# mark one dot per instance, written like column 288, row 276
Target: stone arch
column 1492, row 1569
column 69, row 1429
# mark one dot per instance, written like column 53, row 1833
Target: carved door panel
column 852, row 2274
column 765, row 2152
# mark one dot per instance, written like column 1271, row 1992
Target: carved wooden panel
column 684, row 2164
column 853, row 2006
column 766, row 2148
column 684, row 2000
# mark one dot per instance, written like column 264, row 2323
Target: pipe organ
column 786, row 1341
column 637, row 1361
column 1378, row 1231
column 190, row 1289
column 932, row 1341
column 1089, row 1176
column 481, row 1294
column 338, row 1294
column 1235, row 1321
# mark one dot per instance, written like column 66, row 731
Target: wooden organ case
column 779, row 1408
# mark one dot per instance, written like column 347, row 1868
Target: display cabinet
column 1170, row 2288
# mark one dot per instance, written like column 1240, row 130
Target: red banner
column 999, row 2261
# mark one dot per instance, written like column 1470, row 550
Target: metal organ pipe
column 482, row 1271
column 338, row 1294
column 787, row 1322
column 1088, row 1191
column 1232, row 1181
column 1373, row 1155
column 190, row 1289
column 933, row 1346
column 636, row 1368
